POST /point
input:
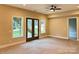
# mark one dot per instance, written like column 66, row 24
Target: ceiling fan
column 54, row 8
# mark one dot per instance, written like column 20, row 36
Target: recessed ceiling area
column 44, row 8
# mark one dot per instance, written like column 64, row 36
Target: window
column 17, row 27
column 43, row 23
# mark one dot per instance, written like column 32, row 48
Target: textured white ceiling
column 44, row 8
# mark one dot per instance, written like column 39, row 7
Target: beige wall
column 6, row 13
column 58, row 27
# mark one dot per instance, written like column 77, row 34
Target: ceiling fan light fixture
column 51, row 10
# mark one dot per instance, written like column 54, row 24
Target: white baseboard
column 58, row 37
column 12, row 44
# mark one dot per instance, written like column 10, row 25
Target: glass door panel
column 73, row 28
column 35, row 28
column 29, row 28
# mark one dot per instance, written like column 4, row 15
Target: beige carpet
column 44, row 46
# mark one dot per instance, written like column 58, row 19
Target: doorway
column 73, row 28
column 32, row 29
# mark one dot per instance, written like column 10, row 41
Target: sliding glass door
column 32, row 29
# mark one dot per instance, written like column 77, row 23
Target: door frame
column 33, row 38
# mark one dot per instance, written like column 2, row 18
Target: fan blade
column 57, row 8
